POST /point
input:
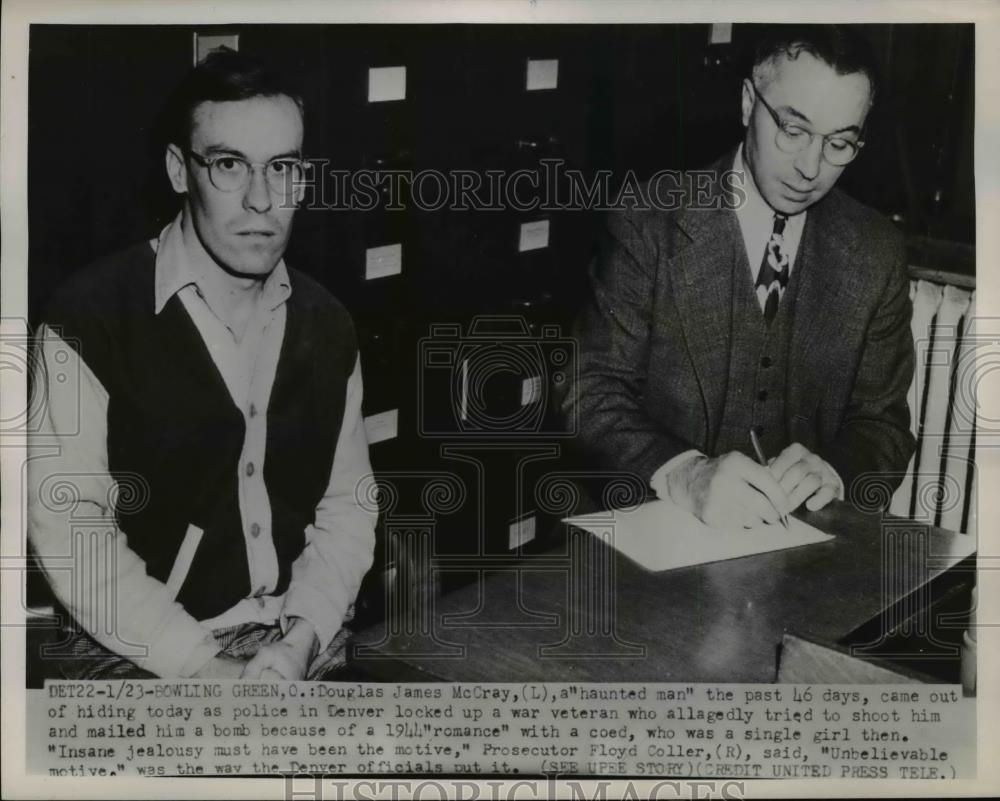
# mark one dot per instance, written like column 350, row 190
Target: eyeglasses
column 232, row 173
column 792, row 138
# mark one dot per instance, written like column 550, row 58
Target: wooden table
column 583, row 612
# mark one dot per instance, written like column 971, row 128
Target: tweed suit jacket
column 654, row 336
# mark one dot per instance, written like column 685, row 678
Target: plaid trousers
column 83, row 658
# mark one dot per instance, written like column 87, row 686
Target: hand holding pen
column 728, row 491
column 805, row 477
column 762, row 459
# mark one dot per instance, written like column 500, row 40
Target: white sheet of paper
column 659, row 535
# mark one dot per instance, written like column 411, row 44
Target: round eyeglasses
column 230, row 173
column 789, row 137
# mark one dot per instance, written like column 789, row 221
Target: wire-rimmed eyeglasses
column 790, row 137
column 231, row 173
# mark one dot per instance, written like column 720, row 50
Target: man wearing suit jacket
column 772, row 302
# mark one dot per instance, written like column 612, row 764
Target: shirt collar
column 177, row 267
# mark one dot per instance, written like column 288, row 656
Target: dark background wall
column 629, row 97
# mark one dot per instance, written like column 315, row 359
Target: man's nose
column 808, row 160
column 257, row 196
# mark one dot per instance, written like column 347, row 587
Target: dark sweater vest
column 174, row 429
column 758, row 368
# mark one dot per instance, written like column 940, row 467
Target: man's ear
column 176, row 169
column 747, row 101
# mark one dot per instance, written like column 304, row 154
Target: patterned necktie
column 773, row 276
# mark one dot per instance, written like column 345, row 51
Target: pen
column 763, row 460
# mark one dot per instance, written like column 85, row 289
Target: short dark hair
column 223, row 75
column 842, row 47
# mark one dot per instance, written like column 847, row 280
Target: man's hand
column 221, row 667
column 804, row 476
column 289, row 657
column 728, row 491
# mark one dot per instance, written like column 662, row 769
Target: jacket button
column 249, row 468
column 762, row 395
column 255, row 530
column 766, row 362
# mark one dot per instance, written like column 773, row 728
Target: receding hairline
column 194, row 110
column 225, row 75
column 295, row 101
column 763, row 72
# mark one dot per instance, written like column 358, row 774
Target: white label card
column 383, row 261
column 531, row 390
column 382, row 426
column 386, row 83
column 534, row 236
column 543, row 73
column 205, row 43
column 521, row 532
column 722, row 33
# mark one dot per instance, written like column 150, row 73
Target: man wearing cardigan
column 768, row 302
column 214, row 523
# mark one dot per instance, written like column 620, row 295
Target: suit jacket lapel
column 827, row 298
column 828, row 294
column 705, row 293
